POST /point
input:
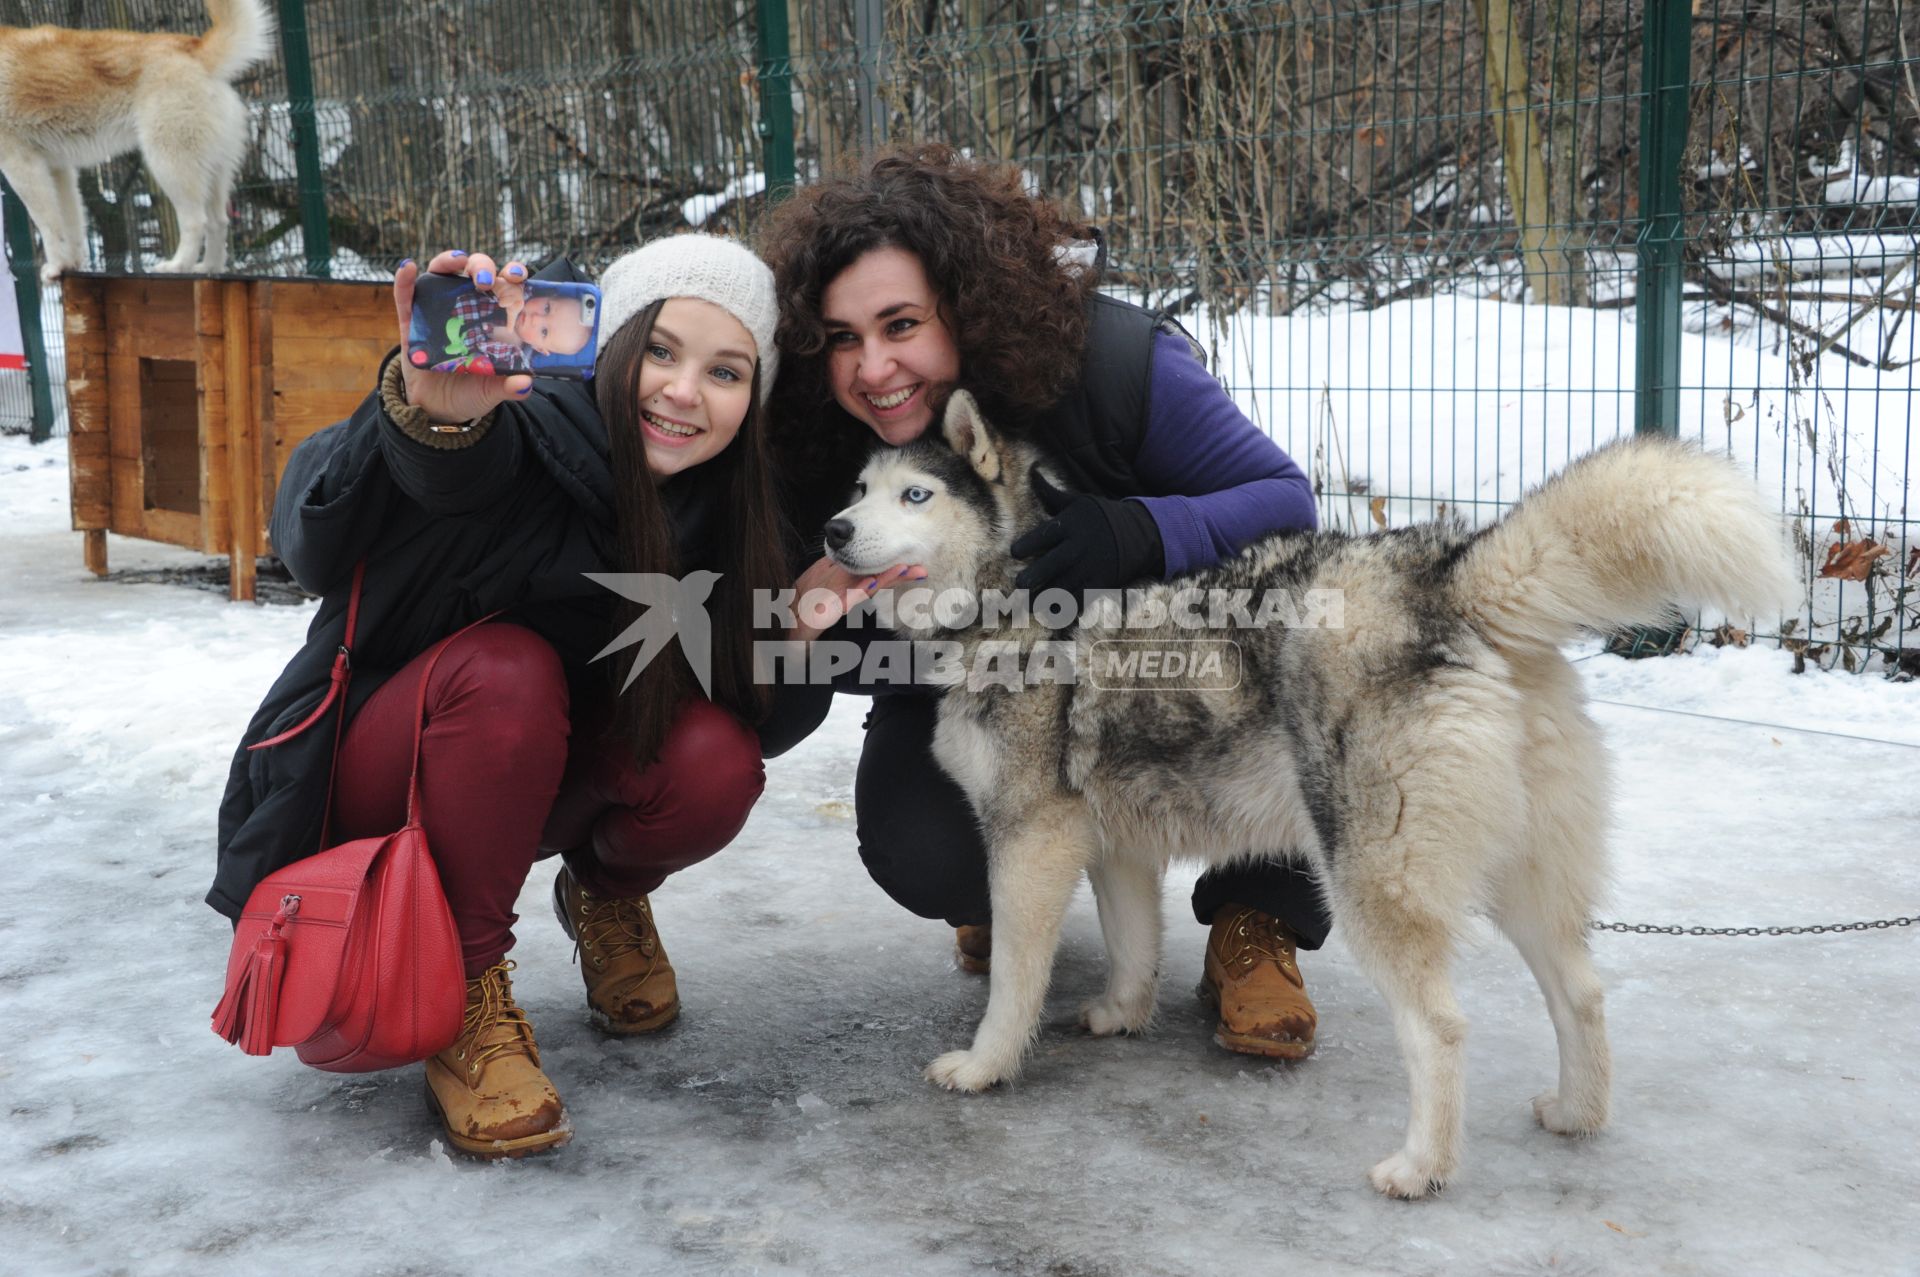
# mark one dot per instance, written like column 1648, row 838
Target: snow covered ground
column 1764, row 1087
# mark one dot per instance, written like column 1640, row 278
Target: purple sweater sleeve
column 1216, row 483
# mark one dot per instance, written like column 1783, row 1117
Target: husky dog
column 73, row 98
column 1427, row 749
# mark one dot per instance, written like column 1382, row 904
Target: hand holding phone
column 473, row 336
column 450, row 399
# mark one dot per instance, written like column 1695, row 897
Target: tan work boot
column 630, row 984
column 1253, row 980
column 487, row 1088
column 973, row 948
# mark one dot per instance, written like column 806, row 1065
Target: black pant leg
column 1285, row 890
column 918, row 836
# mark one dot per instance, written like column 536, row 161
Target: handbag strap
column 420, row 716
column 338, row 680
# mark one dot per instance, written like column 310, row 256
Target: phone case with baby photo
column 458, row 328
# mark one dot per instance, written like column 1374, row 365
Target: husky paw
column 962, row 1071
column 1561, row 1118
column 1109, row 1015
column 1400, row 1176
column 52, row 271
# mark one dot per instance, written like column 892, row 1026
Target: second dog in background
column 69, row 99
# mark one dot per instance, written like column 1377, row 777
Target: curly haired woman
column 926, row 272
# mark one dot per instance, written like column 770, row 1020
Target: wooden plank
column 302, row 367
column 298, row 419
column 129, row 499
column 151, row 318
column 242, row 445
column 123, row 406
column 89, row 479
column 174, row 528
column 95, row 545
column 210, row 415
column 319, row 347
column 332, row 311
column 260, row 342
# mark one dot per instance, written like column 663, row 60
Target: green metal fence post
column 306, row 137
column 776, row 99
column 26, row 291
column 1665, row 68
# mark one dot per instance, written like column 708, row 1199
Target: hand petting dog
column 1090, row 543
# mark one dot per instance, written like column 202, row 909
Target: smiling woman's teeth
column 669, row 427
column 893, row 399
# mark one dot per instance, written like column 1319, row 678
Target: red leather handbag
column 349, row 956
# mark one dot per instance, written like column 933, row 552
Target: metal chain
column 1650, row 929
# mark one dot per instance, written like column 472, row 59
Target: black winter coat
column 510, row 523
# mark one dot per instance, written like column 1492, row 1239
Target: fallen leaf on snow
column 1852, row 560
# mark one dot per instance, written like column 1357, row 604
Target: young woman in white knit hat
column 464, row 495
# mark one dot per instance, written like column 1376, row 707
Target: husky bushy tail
column 241, row 35
column 1623, row 537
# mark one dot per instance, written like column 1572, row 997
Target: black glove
column 1090, row 543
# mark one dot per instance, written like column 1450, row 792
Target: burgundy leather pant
column 508, row 776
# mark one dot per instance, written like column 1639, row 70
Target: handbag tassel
column 247, row 1013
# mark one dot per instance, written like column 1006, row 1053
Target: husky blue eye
column 918, row 495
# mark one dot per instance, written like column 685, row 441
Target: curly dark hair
column 990, row 250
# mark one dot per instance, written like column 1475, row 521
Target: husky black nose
column 839, row 532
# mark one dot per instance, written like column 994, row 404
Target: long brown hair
column 745, row 539
column 990, row 250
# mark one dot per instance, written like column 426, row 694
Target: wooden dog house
column 185, row 394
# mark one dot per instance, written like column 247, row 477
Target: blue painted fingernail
column 458, row 252
column 870, row 583
column 484, row 278
column 516, row 271
column 407, row 263
column 523, row 390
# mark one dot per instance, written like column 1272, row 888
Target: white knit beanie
column 721, row 271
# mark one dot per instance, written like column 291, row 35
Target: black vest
column 1094, row 431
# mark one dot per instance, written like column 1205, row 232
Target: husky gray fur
column 73, row 98
column 1430, row 755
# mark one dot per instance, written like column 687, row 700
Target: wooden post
column 243, row 445
column 89, row 460
column 260, row 415
column 210, row 414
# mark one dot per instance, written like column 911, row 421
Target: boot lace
column 1253, row 936
column 494, row 1024
column 612, row 928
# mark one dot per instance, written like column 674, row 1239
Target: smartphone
column 458, row 328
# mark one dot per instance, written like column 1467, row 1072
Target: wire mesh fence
column 1436, row 248
column 17, row 377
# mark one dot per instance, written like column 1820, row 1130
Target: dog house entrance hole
column 170, row 435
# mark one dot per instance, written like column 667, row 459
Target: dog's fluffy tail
column 1627, row 536
column 241, row 35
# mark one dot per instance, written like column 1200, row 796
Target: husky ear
column 967, row 433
